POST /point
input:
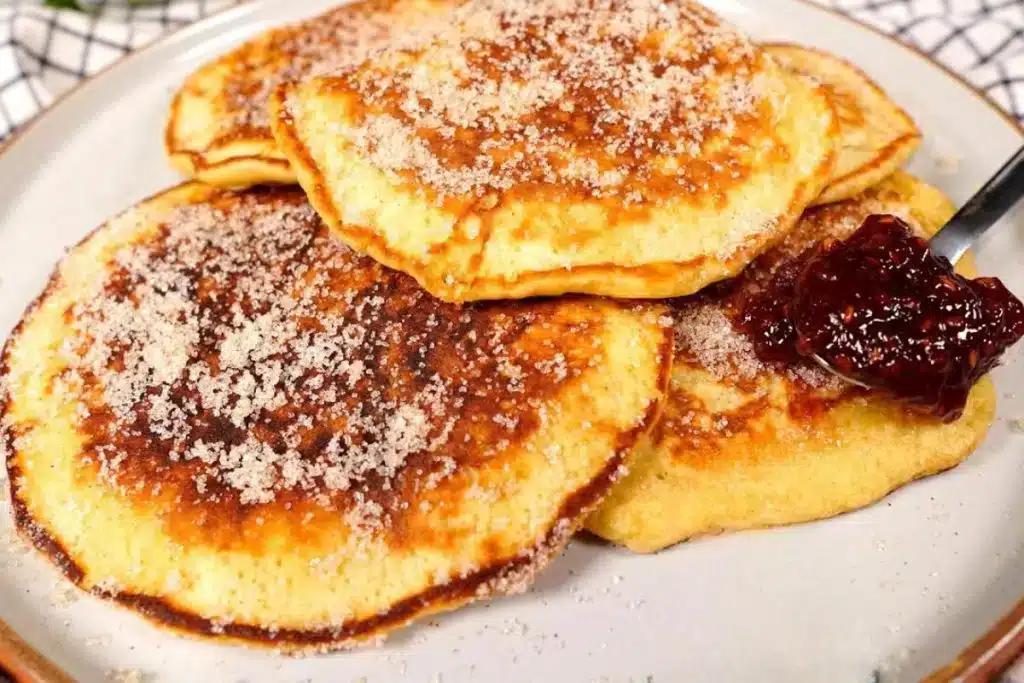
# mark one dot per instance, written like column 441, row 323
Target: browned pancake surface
column 361, row 363
column 218, row 130
column 539, row 106
column 252, row 394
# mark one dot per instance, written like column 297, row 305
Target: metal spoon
column 995, row 198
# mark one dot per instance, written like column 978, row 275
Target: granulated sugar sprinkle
column 249, row 349
column 705, row 332
column 602, row 96
column 350, row 32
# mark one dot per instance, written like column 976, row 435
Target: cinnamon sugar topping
column 608, row 97
column 349, row 32
column 704, row 332
column 247, row 351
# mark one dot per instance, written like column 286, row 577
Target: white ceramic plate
column 898, row 588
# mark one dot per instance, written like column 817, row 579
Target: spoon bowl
column 846, row 378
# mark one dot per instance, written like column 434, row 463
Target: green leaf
column 63, row 4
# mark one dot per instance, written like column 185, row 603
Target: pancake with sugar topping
column 876, row 136
column 744, row 443
column 632, row 148
column 217, row 130
column 220, row 416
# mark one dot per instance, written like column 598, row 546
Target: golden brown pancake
column 219, row 416
column 217, row 130
column 876, row 136
column 742, row 444
column 632, row 148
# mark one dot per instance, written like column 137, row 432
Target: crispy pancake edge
column 243, row 157
column 500, row 578
column 886, row 160
column 983, row 401
column 235, row 170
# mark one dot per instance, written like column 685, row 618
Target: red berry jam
column 765, row 317
column 881, row 309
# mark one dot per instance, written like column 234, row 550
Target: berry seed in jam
column 880, row 308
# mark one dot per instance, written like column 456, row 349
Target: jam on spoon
column 882, row 310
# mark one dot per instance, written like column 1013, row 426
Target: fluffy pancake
column 221, row 417
column 743, row 445
column 630, row 148
column 217, row 130
column 876, row 136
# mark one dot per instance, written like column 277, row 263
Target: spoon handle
column 987, row 206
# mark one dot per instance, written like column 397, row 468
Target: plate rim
column 990, row 655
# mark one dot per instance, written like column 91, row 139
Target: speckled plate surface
column 891, row 592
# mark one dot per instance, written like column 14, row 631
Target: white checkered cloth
column 44, row 51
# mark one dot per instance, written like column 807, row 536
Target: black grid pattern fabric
column 982, row 40
column 44, row 51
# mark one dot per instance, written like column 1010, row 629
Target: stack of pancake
column 444, row 288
